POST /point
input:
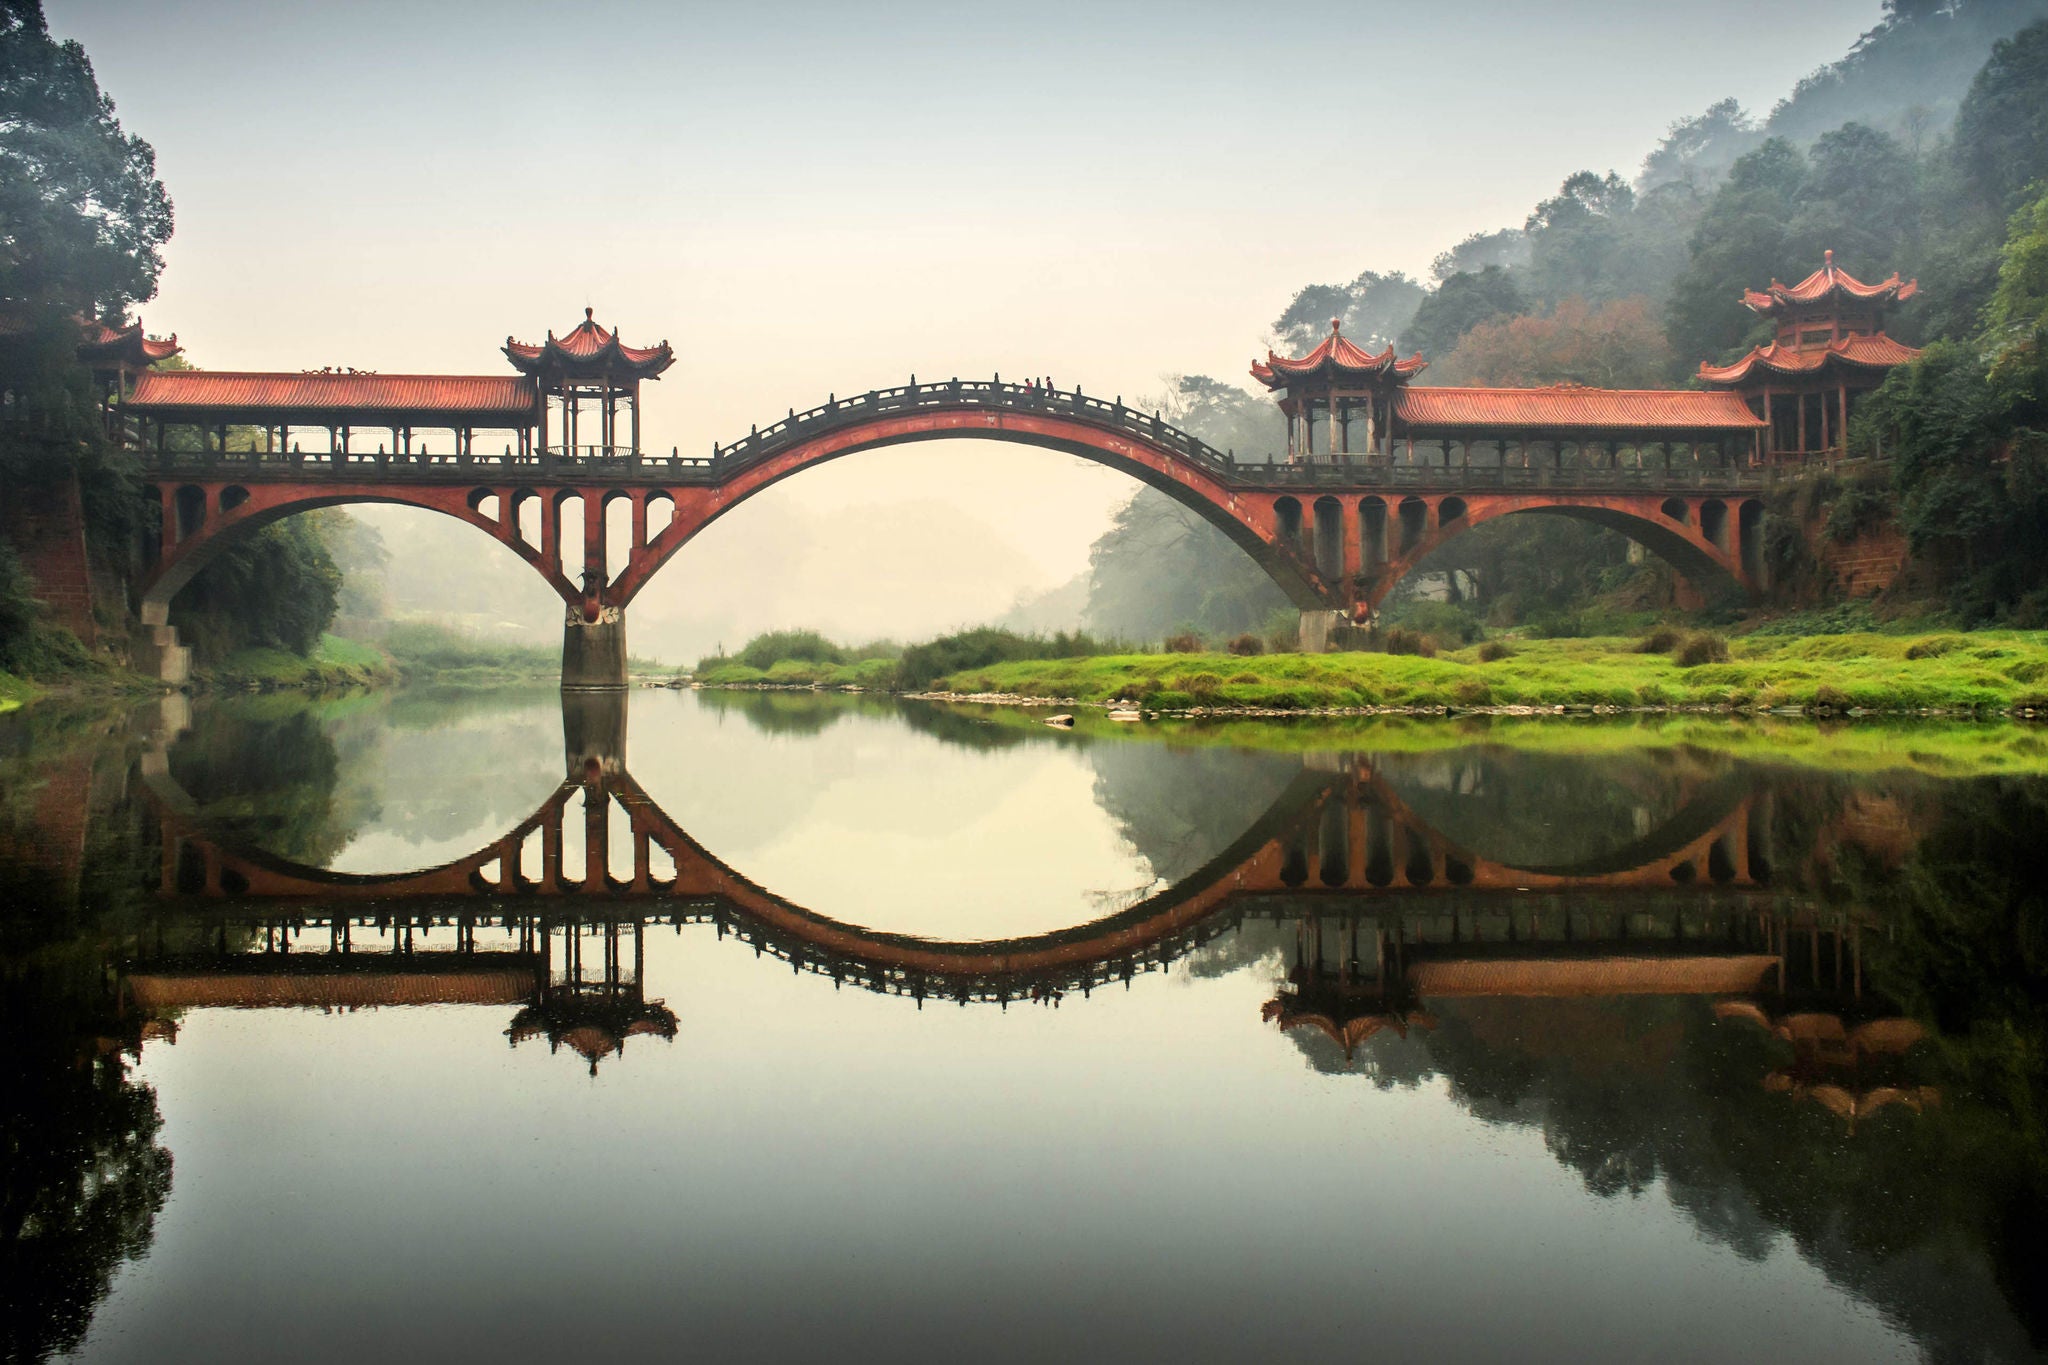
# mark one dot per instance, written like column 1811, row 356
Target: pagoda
column 590, row 364
column 1830, row 349
column 117, row 353
column 1334, row 386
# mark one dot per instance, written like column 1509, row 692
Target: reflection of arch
column 1337, row 839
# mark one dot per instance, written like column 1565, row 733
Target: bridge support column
column 593, row 731
column 594, row 652
column 1314, row 635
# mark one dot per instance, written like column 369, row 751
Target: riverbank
column 410, row 654
column 1969, row 674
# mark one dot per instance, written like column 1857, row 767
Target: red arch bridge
column 1335, row 535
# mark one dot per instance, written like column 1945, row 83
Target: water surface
column 459, row 1026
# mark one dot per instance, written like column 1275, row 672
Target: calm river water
column 749, row 1026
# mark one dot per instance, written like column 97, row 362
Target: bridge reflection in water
column 1387, row 912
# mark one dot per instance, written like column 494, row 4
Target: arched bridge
column 1334, row 536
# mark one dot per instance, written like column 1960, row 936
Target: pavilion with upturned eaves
column 1829, row 350
column 589, row 364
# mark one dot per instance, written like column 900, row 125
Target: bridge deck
column 598, row 466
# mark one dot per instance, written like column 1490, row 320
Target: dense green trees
column 83, row 223
column 85, row 216
column 1464, row 300
column 1967, row 425
column 1374, row 309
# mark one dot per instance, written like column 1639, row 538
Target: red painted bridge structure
column 1375, row 476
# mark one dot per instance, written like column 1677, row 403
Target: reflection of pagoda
column 590, row 1012
column 1344, row 1003
column 1849, row 1070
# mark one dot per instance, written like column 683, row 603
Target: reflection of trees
column 1534, row 809
column 268, row 774
column 1916, row 1213
column 1181, row 807
column 84, row 1176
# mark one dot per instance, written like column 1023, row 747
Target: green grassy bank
column 1980, row 672
column 1938, row 748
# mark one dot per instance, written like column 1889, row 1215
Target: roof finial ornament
column 1828, row 258
column 588, row 310
column 1336, row 326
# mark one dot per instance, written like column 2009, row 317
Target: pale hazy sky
column 807, row 199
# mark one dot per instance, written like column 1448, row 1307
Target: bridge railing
column 1439, row 477
column 953, row 394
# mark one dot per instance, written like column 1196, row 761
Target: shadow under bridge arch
column 1265, row 523
column 1714, row 543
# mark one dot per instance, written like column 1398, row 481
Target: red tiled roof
column 474, row 397
column 1873, row 350
column 1563, row 406
column 160, row 991
column 1827, row 282
column 1593, row 976
column 97, row 341
column 1335, row 358
column 590, row 349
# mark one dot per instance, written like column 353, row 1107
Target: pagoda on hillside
column 590, row 363
column 117, row 354
column 1340, row 389
column 1830, row 349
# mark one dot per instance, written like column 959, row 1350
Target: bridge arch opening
column 1329, row 538
column 1379, row 847
column 1333, row 864
column 1750, row 538
column 661, row 511
column 1676, row 509
column 1372, row 517
column 1414, row 515
column 1287, row 522
column 189, row 508
column 1714, row 522
column 1708, row 567
column 233, row 496
column 569, row 511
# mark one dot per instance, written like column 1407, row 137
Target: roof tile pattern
column 116, row 345
column 1826, row 283
column 1874, row 351
column 189, row 394
column 589, row 349
column 1335, row 357
column 1567, row 407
